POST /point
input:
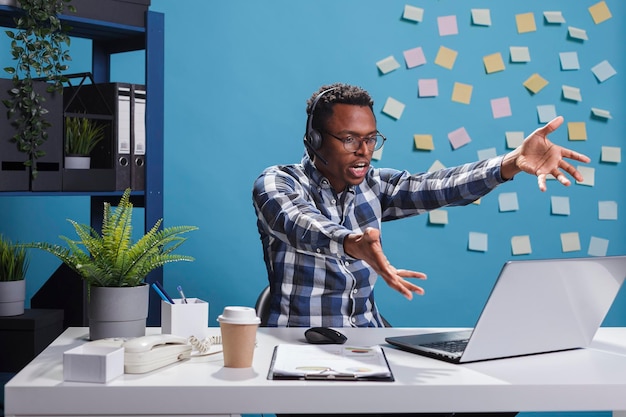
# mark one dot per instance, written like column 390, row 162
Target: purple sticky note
column 500, row 107
column 427, row 87
column 414, row 57
column 459, row 138
column 447, row 25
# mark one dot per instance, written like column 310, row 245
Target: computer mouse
column 325, row 336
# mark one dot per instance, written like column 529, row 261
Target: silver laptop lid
column 545, row 305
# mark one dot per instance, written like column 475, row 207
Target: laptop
column 535, row 306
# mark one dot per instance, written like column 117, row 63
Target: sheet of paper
column 569, row 61
column 436, row 166
column 546, row 113
column 520, row 245
column 560, row 205
column 535, row 83
column 501, row 107
column 459, row 137
column 481, row 17
column 393, row 108
column 388, row 64
column 554, row 17
column 438, row 216
column 588, row 174
column 603, row 71
column 576, row 131
column 415, row 14
column 600, row 12
column 414, row 57
column 514, row 139
column 427, row 87
column 447, row 25
column 446, row 57
column 508, row 202
column 424, row 142
column 525, row 22
column 493, row 63
column 519, row 54
column 570, row 242
column 598, row 246
column 612, row 154
column 571, row 93
column 487, row 153
column 478, row 242
column 462, row 93
column 607, row 210
column 577, row 33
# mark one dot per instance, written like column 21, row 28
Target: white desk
column 584, row 379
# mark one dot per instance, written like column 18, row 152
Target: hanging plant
column 39, row 47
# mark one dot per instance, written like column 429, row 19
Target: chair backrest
column 262, row 308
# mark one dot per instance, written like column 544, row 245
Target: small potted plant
column 115, row 268
column 13, row 267
column 81, row 137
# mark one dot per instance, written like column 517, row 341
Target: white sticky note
column 571, row 93
column 598, row 246
column 393, row 108
column 554, row 17
column 577, row 33
column 386, row 65
column 546, row 113
column 415, row 14
column 601, row 113
column 603, row 71
column 570, row 242
column 487, row 153
column 436, row 166
column 569, row 61
column 514, row 139
column 520, row 245
column 611, row 154
column 607, row 210
column 438, row 217
column 519, row 54
column 378, row 154
column 560, row 205
column 478, row 242
column 588, row 174
column 481, row 17
column 508, row 202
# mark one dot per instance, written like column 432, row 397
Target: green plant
column 110, row 259
column 38, row 47
column 13, row 261
column 82, row 135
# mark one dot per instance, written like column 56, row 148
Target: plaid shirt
column 303, row 222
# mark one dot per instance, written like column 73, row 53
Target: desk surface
column 582, row 379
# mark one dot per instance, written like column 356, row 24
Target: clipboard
column 329, row 363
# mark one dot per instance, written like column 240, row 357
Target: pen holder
column 191, row 319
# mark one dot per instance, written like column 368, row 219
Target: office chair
column 262, row 308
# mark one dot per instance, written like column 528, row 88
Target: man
column 320, row 220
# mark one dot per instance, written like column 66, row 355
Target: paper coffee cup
column 238, row 326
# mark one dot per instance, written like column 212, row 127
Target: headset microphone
column 313, row 138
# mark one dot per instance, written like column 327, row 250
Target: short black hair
column 341, row 93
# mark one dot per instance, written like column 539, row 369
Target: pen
column 162, row 294
column 182, row 294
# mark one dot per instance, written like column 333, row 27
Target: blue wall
column 238, row 74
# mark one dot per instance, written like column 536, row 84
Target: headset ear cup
column 315, row 139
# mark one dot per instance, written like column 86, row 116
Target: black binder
column 138, row 138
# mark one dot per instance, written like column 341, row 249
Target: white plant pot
column 77, row 162
column 12, row 296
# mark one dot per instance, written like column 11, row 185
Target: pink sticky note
column 500, row 107
column 459, row 138
column 428, row 87
column 414, row 57
column 447, row 25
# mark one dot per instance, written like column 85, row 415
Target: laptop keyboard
column 452, row 346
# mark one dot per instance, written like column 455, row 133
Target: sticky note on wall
column 600, row 12
column 424, row 142
column 446, row 57
column 393, row 108
column 478, row 242
column 520, row 245
column 535, row 83
column 462, row 93
column 493, row 63
column 570, row 242
column 525, row 22
column 576, row 131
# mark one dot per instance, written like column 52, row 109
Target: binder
column 138, row 139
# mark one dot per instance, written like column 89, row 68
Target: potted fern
column 13, row 267
column 115, row 268
column 81, row 137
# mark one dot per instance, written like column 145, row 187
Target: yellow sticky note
column 525, row 22
column 446, row 57
column 493, row 63
column 600, row 12
column 424, row 142
column 535, row 83
column 462, row 93
column 577, row 131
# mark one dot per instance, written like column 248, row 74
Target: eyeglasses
column 353, row 143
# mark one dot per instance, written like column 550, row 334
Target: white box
column 191, row 319
column 93, row 363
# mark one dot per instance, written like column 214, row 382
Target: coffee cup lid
column 239, row 315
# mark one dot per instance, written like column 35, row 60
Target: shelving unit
column 107, row 39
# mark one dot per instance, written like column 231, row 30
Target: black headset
column 313, row 138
